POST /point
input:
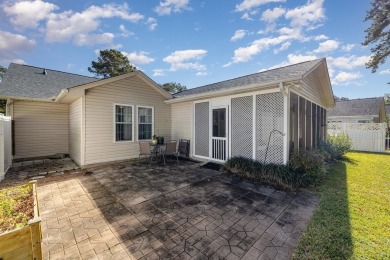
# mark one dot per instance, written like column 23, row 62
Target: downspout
column 7, row 107
column 286, row 116
column 61, row 95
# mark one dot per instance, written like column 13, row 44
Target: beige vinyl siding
column 312, row 90
column 182, row 114
column 99, row 118
column 41, row 128
column 75, row 130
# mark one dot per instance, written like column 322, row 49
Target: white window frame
column 132, row 123
column 138, row 107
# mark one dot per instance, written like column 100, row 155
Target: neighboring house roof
column 24, row 81
column 357, row 107
column 291, row 72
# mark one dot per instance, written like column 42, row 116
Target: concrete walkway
column 124, row 211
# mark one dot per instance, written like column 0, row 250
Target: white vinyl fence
column 370, row 137
column 5, row 145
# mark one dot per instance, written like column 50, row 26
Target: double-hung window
column 124, row 123
column 145, row 123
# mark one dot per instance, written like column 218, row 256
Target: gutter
column 61, row 95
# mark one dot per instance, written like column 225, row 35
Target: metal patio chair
column 170, row 149
column 146, row 150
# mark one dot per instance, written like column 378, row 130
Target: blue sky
column 195, row 42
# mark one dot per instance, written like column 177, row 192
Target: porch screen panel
column 269, row 117
column 202, row 128
column 242, row 127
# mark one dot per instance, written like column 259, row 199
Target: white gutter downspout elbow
column 61, row 95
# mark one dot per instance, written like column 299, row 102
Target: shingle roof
column 278, row 74
column 30, row 82
column 357, row 107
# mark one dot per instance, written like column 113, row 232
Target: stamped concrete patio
column 125, row 211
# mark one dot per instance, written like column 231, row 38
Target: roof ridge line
column 31, row 66
column 251, row 74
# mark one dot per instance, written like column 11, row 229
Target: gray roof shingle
column 357, row 107
column 278, row 74
column 29, row 82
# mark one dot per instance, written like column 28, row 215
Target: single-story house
column 363, row 110
column 94, row 120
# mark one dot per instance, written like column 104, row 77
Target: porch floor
column 125, row 211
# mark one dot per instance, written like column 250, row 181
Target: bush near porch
column 305, row 167
column 352, row 220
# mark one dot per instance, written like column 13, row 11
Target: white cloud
column 92, row 39
column 327, row 46
column 68, row 25
column 284, row 47
column 201, row 73
column 384, row 72
column 125, row 32
column 158, row 72
column 152, row 23
column 271, row 15
column 138, row 57
column 246, row 16
column 293, row 59
column 186, row 59
column 168, row 6
column 244, row 54
column 11, row 44
column 250, row 4
column 239, row 34
column 348, row 47
column 307, row 15
column 321, row 37
column 345, row 78
column 27, row 14
column 348, row 62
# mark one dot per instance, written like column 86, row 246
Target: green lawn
column 353, row 217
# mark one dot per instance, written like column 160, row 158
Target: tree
column 378, row 33
column 3, row 102
column 111, row 63
column 173, row 87
column 336, row 98
column 387, row 98
column 2, row 72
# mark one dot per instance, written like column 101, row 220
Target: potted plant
column 160, row 140
column 154, row 140
column 20, row 232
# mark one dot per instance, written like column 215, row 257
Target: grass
column 16, row 207
column 353, row 218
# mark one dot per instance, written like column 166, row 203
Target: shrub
column 336, row 146
column 308, row 165
column 274, row 174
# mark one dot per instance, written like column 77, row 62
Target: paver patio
column 125, row 211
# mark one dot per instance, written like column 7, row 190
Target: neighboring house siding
column 41, row 128
column 182, row 114
column 75, row 130
column 311, row 89
column 99, row 118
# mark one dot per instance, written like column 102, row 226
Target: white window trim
column 138, row 107
column 132, row 123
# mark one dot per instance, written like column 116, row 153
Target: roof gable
column 26, row 81
column 357, row 107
